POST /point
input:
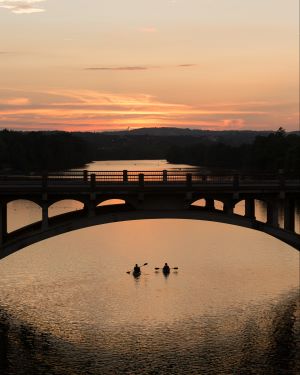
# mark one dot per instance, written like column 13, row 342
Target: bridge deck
column 148, row 194
column 99, row 180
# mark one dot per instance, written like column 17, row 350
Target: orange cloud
column 137, row 67
column 14, row 101
column 119, row 68
column 92, row 110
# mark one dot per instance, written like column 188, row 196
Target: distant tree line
column 40, row 151
column 266, row 153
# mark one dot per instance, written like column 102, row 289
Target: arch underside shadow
column 68, row 222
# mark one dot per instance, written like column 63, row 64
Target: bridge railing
column 154, row 177
column 190, row 177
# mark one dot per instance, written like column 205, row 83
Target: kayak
column 166, row 271
column 136, row 274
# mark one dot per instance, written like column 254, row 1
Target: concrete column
column 236, row 181
column 85, row 175
column 281, row 179
column 289, row 214
column 189, row 179
column 93, row 181
column 228, row 206
column 91, row 208
column 165, row 176
column 210, row 203
column 250, row 208
column 125, row 176
column 45, row 216
column 273, row 213
column 141, row 179
column 3, row 222
column 44, row 180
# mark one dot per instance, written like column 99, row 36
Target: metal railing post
column 236, row 181
column 281, row 179
column 125, row 176
column 165, row 176
column 44, row 180
column 93, row 181
column 141, row 179
column 189, row 179
column 85, row 175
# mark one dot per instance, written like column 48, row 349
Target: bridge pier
column 165, row 176
column 125, row 175
column 90, row 206
column 3, row 222
column 229, row 206
column 289, row 214
column 45, row 216
column 273, row 213
column 210, row 203
column 250, row 208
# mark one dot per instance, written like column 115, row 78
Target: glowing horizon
column 195, row 64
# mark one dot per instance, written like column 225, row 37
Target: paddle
column 171, row 268
column 145, row 264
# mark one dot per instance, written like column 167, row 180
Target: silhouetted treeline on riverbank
column 266, row 153
column 39, row 151
column 246, row 151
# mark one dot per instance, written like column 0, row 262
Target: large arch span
column 72, row 221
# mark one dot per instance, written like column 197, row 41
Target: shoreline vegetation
column 242, row 151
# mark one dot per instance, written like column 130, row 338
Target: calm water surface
column 67, row 305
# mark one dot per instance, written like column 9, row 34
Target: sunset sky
column 113, row 64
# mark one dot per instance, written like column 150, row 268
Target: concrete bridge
column 148, row 195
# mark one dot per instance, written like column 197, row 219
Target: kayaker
column 166, row 268
column 136, row 269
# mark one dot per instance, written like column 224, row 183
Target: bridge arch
column 200, row 202
column 34, row 233
column 31, row 211
column 240, row 207
column 261, row 215
column 60, row 207
column 109, row 202
column 112, row 199
column 219, row 204
column 33, row 200
column 209, row 203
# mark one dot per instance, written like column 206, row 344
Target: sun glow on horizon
column 193, row 63
column 90, row 110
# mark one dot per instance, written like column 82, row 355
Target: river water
column 68, row 307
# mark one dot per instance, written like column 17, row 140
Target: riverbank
column 52, row 151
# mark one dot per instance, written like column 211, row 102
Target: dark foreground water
column 68, row 307
column 261, row 340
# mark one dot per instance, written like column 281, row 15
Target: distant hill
column 233, row 137
column 171, row 131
